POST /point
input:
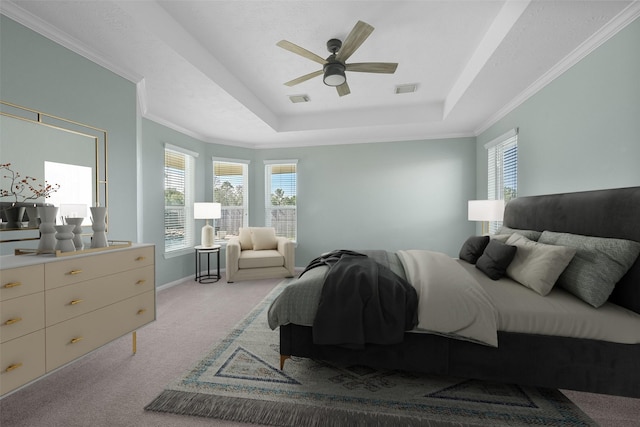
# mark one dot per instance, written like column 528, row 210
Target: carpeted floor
column 110, row 387
column 239, row 380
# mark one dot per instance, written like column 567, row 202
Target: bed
column 584, row 362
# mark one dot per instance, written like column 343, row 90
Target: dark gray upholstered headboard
column 601, row 213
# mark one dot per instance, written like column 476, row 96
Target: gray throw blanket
column 362, row 302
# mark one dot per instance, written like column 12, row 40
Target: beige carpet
column 110, row 387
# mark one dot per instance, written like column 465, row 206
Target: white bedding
column 559, row 313
column 461, row 307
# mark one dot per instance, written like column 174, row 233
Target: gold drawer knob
column 12, row 285
column 75, row 301
column 141, row 282
column 76, row 339
column 13, row 367
column 74, row 272
column 142, row 311
column 141, row 258
column 12, row 321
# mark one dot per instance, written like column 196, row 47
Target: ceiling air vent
column 299, row 98
column 408, row 88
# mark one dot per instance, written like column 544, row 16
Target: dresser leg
column 134, row 341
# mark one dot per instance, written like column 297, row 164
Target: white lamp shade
column 207, row 210
column 73, row 210
column 486, row 210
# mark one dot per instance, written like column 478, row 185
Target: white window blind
column 178, row 196
column 281, row 178
column 231, row 190
column 502, row 169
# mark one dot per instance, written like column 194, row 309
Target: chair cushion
column 260, row 259
column 245, row 238
column 263, row 238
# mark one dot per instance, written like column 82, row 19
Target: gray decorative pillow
column 473, row 248
column 495, row 259
column 536, row 265
column 598, row 265
column 529, row 234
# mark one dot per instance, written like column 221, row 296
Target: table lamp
column 485, row 211
column 207, row 211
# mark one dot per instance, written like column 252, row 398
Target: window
column 230, row 189
column 502, row 170
column 281, row 191
column 179, row 166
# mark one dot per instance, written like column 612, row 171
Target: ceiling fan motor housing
column 334, row 45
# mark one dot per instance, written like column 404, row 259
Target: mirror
column 69, row 156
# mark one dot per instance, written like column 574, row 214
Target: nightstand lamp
column 486, row 210
column 207, row 211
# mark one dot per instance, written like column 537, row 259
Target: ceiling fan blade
column 356, row 37
column 373, row 67
column 343, row 89
column 303, row 78
column 301, row 51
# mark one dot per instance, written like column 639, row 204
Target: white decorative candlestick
column 99, row 227
column 47, row 216
column 64, row 237
column 77, row 232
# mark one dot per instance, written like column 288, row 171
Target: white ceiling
column 212, row 69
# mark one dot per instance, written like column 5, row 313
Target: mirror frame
column 99, row 136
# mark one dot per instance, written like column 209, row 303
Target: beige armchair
column 258, row 254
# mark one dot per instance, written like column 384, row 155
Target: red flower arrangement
column 24, row 188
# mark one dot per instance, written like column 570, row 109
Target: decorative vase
column 64, row 237
column 77, row 232
column 99, row 227
column 32, row 213
column 47, row 216
column 14, row 214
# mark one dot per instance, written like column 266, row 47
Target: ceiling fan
column 335, row 65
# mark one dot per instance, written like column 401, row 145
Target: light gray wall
column 40, row 74
column 153, row 139
column 397, row 195
column 582, row 131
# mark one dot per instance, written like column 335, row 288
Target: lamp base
column 207, row 238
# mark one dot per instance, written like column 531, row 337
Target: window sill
column 178, row 252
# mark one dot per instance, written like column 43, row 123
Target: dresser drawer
column 69, row 301
column 21, row 316
column 82, row 268
column 75, row 337
column 21, row 360
column 16, row 282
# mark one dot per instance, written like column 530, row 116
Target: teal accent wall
column 582, row 131
column 40, row 74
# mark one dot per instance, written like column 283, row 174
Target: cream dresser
column 54, row 310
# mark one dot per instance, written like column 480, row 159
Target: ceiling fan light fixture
column 334, row 74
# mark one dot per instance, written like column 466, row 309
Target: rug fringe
column 278, row 414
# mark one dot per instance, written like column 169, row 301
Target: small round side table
column 207, row 278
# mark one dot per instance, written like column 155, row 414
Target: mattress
column 559, row 313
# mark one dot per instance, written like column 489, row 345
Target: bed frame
column 534, row 360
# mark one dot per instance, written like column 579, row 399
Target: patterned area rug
column 240, row 380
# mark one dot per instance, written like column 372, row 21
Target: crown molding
column 615, row 25
column 23, row 17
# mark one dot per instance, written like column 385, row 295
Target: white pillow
column 264, row 238
column 536, row 265
column 245, row 239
